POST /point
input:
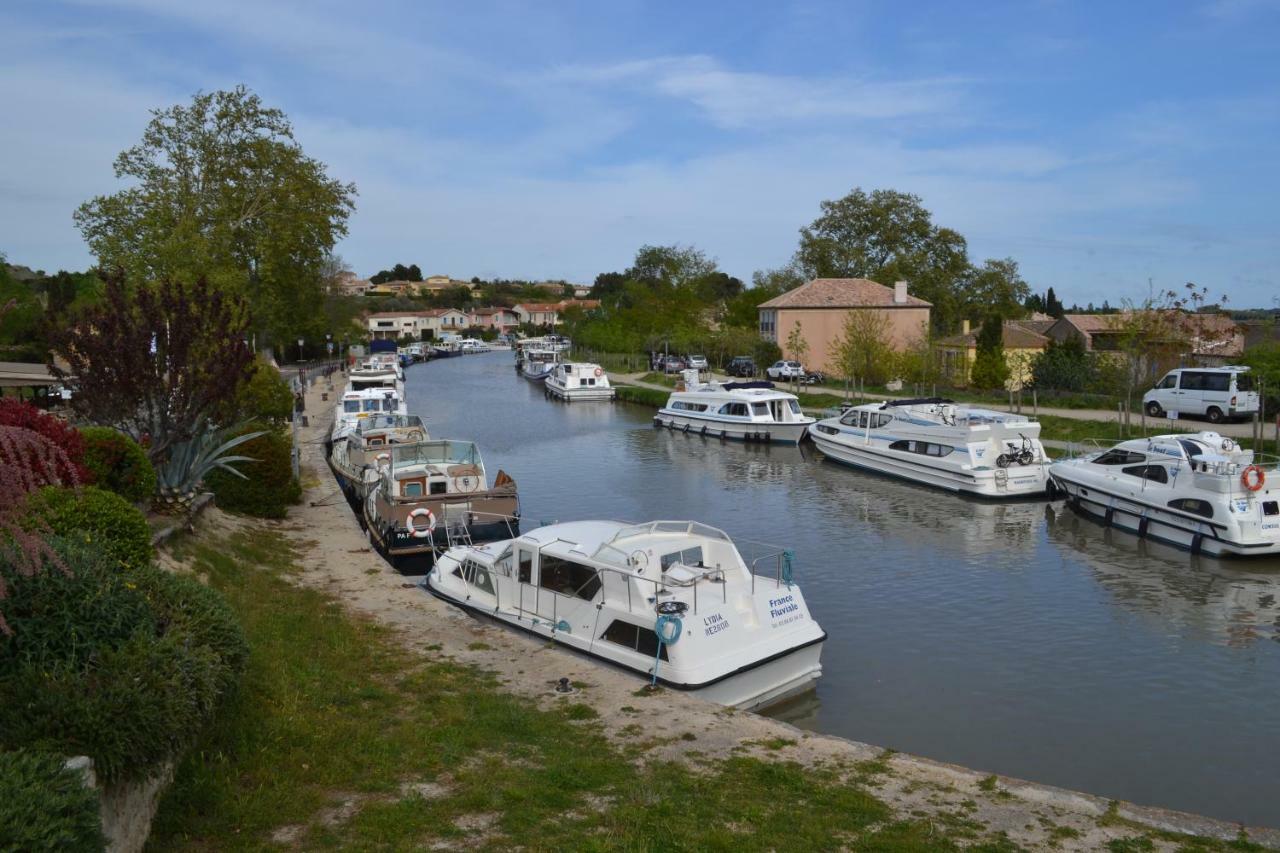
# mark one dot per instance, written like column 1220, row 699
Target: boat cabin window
column 568, row 578
column 851, row 418
column 795, row 406
column 1154, row 473
column 411, row 488
column 924, row 448
column 526, row 567
column 634, row 637
column 476, row 575
column 687, row 557
column 1117, row 456
column 1191, row 448
column 1271, row 507
column 371, row 405
column 736, row 409
column 760, row 409
column 689, row 407
column 1195, row 506
column 439, row 487
column 350, row 406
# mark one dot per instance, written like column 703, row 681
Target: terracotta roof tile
column 842, row 293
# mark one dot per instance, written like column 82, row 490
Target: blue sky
column 1099, row 144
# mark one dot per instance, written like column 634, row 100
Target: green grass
column 644, row 396
column 334, row 711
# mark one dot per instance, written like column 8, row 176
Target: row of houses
column 437, row 322
column 818, row 310
column 350, row 284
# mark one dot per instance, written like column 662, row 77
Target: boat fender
column 1143, row 524
column 1111, row 511
column 564, row 627
column 1051, row 489
column 704, row 429
column 1196, row 542
column 788, row 571
column 421, row 532
column 1253, row 478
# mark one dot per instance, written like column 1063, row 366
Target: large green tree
column 219, row 188
column 886, row 236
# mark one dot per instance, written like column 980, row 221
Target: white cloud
column 735, row 99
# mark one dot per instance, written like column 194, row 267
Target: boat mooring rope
column 664, row 624
column 787, row 571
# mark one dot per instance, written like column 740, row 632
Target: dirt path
column 339, row 561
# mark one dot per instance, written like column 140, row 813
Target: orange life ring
column 599, row 372
column 1253, row 478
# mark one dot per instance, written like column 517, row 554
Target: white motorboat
column 747, row 411
column 366, row 444
column 435, row 492
column 579, row 380
column 672, row 601
column 367, row 395
column 937, row 443
column 536, row 364
column 1199, row 491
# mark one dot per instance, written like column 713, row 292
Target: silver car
column 698, row 362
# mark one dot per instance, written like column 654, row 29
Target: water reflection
column 993, row 635
column 1233, row 602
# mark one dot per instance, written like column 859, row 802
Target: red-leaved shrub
column 16, row 413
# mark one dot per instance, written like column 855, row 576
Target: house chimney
column 964, row 327
column 899, row 293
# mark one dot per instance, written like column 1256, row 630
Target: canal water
column 1011, row 638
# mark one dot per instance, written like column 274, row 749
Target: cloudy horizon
column 1101, row 148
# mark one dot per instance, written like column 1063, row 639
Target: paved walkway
column 1236, row 430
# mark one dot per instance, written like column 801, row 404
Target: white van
column 1217, row 393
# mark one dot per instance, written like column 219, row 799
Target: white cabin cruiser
column 368, row 444
column 536, row 364
column 672, row 601
column 1198, row 491
column 359, row 404
column 579, row 380
column 747, row 411
column 937, row 443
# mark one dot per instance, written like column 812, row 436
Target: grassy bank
column 341, row 738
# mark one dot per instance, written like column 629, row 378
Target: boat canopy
column 759, row 383
column 435, row 452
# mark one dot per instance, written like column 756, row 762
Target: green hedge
column 265, row 396
column 123, row 667
column 99, row 518
column 268, row 487
column 45, row 806
column 118, row 464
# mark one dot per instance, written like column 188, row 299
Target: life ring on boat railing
column 599, row 372
column 414, row 529
column 382, row 457
column 1253, row 478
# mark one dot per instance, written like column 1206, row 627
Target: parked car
column 698, row 362
column 785, row 371
column 742, row 366
column 1217, row 393
column 672, row 364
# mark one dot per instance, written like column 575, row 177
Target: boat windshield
column 387, row 422
column 434, row 453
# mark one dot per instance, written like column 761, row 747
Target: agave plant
column 189, row 462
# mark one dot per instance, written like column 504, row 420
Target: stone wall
column 127, row 809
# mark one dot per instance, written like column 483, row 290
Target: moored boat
column 366, row 444
column 933, row 441
column 746, row 411
column 579, row 380
column 435, row 492
column 368, row 393
column 1198, row 491
column 675, row 602
column 536, row 364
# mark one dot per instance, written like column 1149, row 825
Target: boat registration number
column 714, row 624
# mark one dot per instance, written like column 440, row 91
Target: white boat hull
column 585, row 393
column 755, row 686
column 781, row 433
column 1016, row 481
column 1154, row 522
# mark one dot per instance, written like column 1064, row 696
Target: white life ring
column 382, row 458
column 599, row 372
column 421, row 532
